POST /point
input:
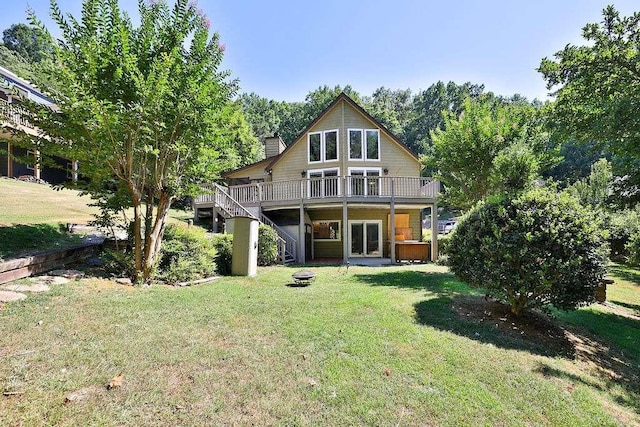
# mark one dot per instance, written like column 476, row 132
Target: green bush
column 539, row 248
column 622, row 225
column 267, row 245
column 633, row 247
column 223, row 244
column 443, row 243
column 267, row 249
column 187, row 254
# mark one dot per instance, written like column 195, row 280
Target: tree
column 392, row 108
column 596, row 189
column 428, row 107
column 539, row 248
column 491, row 147
column 597, row 88
column 576, row 160
column 145, row 110
column 29, row 42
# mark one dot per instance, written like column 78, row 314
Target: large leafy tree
column 144, row 109
column 490, row 147
column 597, row 86
column 392, row 108
column 428, row 107
column 29, row 42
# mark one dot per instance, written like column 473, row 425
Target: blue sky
column 284, row 49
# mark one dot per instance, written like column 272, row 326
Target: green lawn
column 33, row 217
column 371, row 346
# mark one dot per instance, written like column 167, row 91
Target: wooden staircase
column 229, row 207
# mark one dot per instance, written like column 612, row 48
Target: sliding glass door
column 365, row 238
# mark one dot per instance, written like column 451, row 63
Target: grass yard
column 371, row 346
column 33, row 217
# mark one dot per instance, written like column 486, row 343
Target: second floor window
column 323, row 146
column 364, row 144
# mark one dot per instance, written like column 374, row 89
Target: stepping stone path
column 14, row 292
column 35, row 288
column 8, row 296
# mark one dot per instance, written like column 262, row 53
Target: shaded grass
column 25, row 239
column 348, row 350
column 33, row 217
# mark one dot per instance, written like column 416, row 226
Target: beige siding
column 343, row 116
column 252, row 172
column 324, row 249
column 392, row 156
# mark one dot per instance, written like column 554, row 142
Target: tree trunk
column 519, row 304
column 137, row 243
column 154, row 236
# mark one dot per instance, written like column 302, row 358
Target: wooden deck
column 330, row 190
column 11, row 115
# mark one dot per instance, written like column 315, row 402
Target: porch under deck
column 381, row 198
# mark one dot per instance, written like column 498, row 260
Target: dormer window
column 323, row 146
column 364, row 144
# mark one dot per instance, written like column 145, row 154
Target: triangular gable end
column 343, row 97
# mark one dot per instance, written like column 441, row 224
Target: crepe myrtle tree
column 143, row 108
column 539, row 248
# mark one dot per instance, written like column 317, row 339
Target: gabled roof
column 250, row 165
column 270, row 162
column 343, row 97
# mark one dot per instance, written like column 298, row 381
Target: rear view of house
column 345, row 188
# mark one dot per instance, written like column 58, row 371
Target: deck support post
column 392, row 226
column 345, row 223
column 434, row 232
column 9, row 161
column 301, row 235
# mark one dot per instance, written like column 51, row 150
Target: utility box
column 245, row 246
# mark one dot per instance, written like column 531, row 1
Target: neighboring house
column 13, row 91
column 345, row 188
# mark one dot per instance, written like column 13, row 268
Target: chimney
column 273, row 146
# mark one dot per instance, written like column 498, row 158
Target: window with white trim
column 323, row 183
column 364, row 181
column 364, row 144
column 323, row 146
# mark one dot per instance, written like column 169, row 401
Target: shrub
column 539, row 248
column 267, row 249
column 187, row 254
column 223, row 244
column 267, row 245
column 443, row 243
column 633, row 247
column 622, row 225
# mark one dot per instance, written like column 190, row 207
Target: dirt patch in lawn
column 532, row 327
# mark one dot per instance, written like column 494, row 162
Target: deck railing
column 219, row 195
column 370, row 187
column 12, row 113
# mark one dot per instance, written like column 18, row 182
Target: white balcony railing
column 12, row 114
column 333, row 187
